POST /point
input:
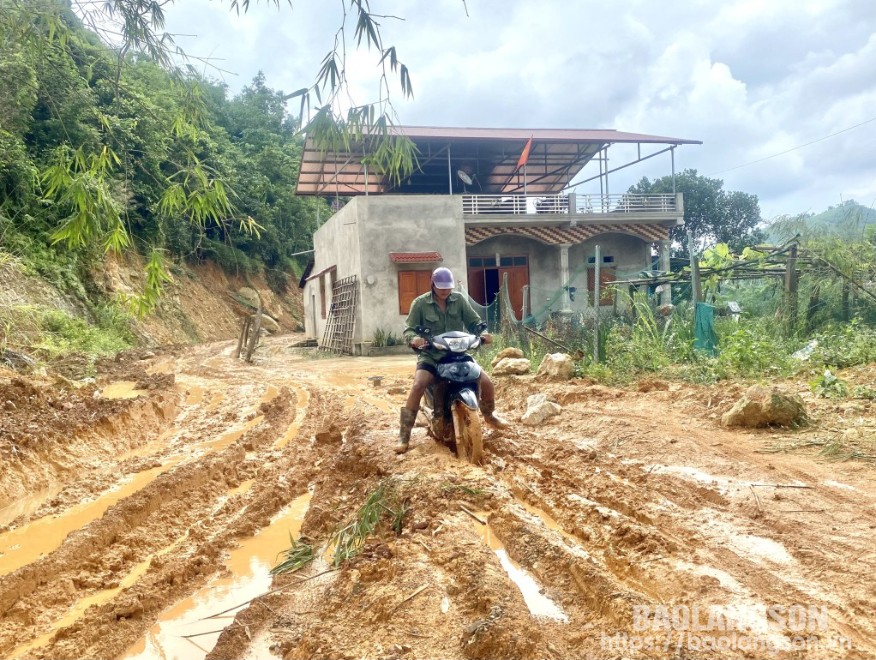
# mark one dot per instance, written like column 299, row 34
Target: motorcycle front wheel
column 469, row 436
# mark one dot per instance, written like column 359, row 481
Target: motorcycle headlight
column 457, row 344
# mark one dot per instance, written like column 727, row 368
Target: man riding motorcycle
column 441, row 310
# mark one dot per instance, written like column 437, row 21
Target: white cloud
column 749, row 78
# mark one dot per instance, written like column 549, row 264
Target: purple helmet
column 442, row 278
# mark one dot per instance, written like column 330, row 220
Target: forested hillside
column 98, row 154
column 107, row 155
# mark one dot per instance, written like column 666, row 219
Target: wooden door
column 606, row 293
column 518, row 277
column 476, row 285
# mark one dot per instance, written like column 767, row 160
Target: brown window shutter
column 412, row 283
column 424, row 281
column 407, row 290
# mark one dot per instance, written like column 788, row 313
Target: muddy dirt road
column 141, row 515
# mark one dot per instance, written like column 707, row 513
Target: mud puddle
column 302, row 398
column 190, row 629
column 540, row 606
column 104, row 596
column 25, row 544
column 121, row 389
column 548, row 521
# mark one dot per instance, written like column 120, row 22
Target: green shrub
column 63, row 333
column 752, row 349
column 829, row 386
column 845, row 345
column 231, row 259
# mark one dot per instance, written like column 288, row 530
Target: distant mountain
column 849, row 220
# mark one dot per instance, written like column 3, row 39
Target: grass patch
column 53, row 334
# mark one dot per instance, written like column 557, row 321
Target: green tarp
column 705, row 339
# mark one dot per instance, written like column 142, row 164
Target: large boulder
column 557, row 366
column 539, row 409
column 249, row 295
column 510, row 352
column 270, row 324
column 762, row 406
column 511, row 367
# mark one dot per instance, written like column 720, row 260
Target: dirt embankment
column 201, row 303
column 629, row 501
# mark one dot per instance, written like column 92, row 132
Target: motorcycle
column 452, row 407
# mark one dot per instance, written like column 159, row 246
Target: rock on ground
column 539, row 409
column 510, row 352
column 761, row 406
column 250, row 295
column 270, row 324
column 557, row 366
column 511, row 367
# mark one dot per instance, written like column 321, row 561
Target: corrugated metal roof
column 415, row 257
column 488, row 156
column 539, row 134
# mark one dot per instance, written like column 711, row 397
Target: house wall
column 358, row 240
column 544, row 264
column 404, row 223
column 631, row 254
column 336, row 243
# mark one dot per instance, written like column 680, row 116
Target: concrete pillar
column 666, row 293
column 564, row 276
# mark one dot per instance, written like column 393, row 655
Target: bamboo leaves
column 156, row 278
column 82, row 185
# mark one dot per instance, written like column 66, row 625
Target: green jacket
column 460, row 315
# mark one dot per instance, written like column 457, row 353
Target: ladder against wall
column 338, row 336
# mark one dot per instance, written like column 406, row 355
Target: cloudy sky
column 750, row 78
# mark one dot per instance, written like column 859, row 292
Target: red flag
column 525, row 155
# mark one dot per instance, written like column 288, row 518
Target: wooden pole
column 696, row 286
column 596, row 300
column 791, row 281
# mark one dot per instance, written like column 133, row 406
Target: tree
column 711, row 214
column 85, row 74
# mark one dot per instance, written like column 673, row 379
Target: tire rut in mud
column 182, row 510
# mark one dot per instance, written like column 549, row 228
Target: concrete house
column 484, row 202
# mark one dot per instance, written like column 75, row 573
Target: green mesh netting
column 489, row 313
column 547, row 301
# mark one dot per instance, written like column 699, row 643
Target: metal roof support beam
column 335, row 176
column 616, row 169
column 449, row 172
column 558, row 171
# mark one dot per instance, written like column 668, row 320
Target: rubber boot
column 490, row 417
column 406, row 423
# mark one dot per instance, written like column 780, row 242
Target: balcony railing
column 565, row 204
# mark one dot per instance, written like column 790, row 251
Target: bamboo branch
column 268, row 593
column 472, row 514
column 779, row 486
column 412, row 596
